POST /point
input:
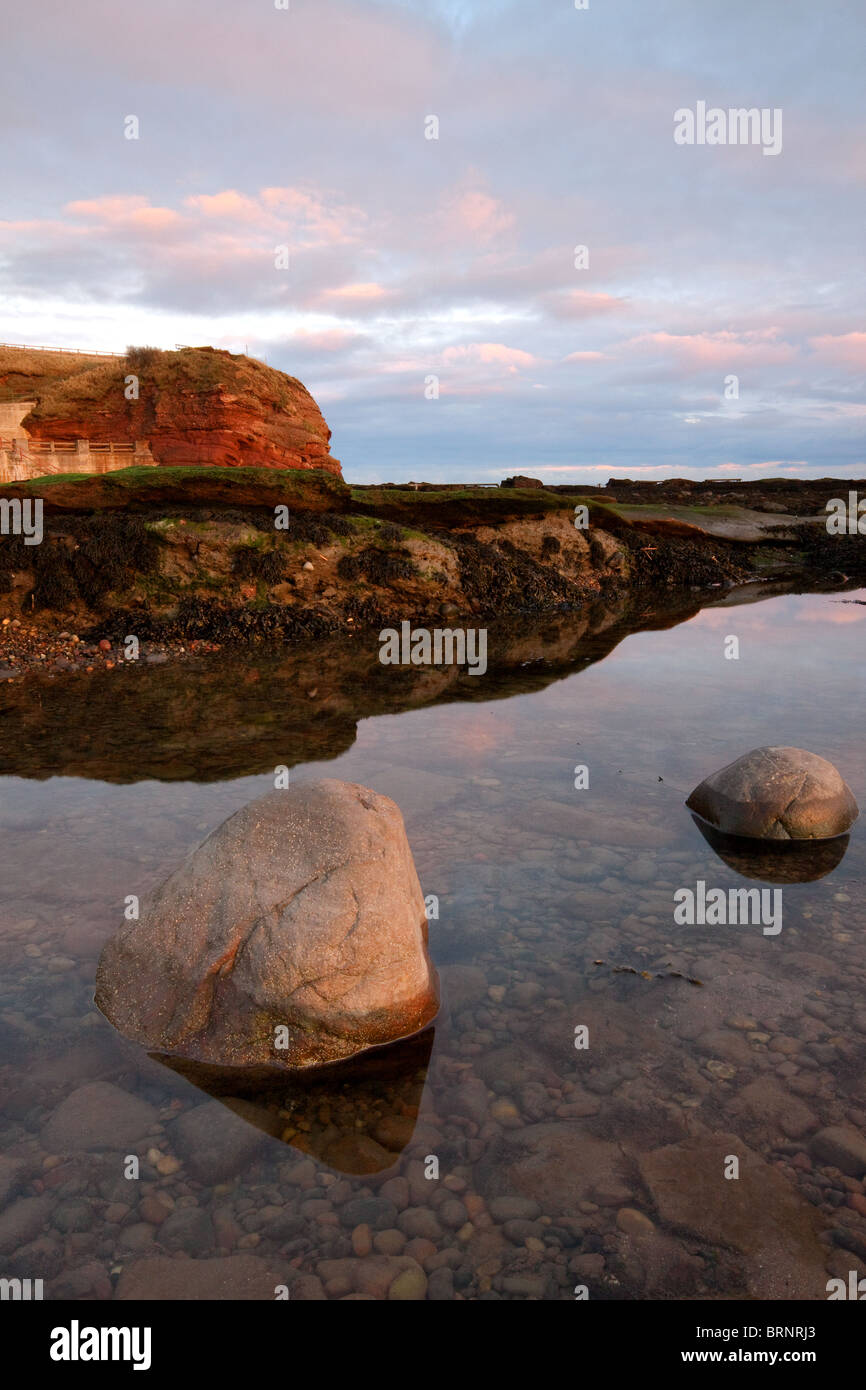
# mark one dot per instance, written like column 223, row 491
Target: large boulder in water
column 295, row 935
column 777, row 794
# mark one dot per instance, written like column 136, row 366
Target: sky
column 283, row 197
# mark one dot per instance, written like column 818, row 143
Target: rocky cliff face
column 196, row 406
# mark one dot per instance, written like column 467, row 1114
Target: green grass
column 681, row 509
column 141, row 479
column 49, row 480
column 543, row 501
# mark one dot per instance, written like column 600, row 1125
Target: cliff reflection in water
column 211, row 719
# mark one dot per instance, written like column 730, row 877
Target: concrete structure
column 22, row 457
column 11, row 415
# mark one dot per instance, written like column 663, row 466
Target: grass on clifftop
column 475, row 506
column 303, row 490
column 63, row 391
column 141, row 479
column 25, row 373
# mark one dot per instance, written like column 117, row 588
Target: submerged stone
column 295, row 936
column 777, row 794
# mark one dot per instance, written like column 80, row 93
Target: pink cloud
column 363, row 292
column 840, row 616
column 776, row 464
column 489, row 354
column 376, row 62
column 481, row 215
column 842, row 349
column 228, row 204
column 582, row 304
column 109, row 208
column 299, row 216
column 721, row 350
column 324, row 340
column 329, row 223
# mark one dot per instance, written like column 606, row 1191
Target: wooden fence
column 73, row 352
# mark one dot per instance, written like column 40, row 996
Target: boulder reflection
column 355, row 1116
column 776, row 861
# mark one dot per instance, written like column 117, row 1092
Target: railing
column 66, row 446
column 73, row 352
column 21, row 459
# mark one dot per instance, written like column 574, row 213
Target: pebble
column 440, row 1285
column 420, row 1249
column 72, row 1216
column 408, row 1287
column 389, row 1242
column 452, row 1213
column 191, row 1229
column 526, row 1285
column 518, row 1230
column 376, row 1212
column 723, row 1071
column 362, row 1241
column 25, row 650
column 419, row 1221
column 396, row 1191
column 634, row 1222
column 504, row 1209
column 152, row 1208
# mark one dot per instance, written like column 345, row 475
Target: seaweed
column 252, row 562
column 377, row 565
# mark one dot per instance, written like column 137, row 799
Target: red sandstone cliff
column 195, row 406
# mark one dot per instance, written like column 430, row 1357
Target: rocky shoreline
column 189, row 560
column 35, row 651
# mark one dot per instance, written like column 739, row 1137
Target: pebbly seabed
column 558, row 1166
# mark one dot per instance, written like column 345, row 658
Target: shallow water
column 560, row 1167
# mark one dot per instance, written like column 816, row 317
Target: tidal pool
column 610, row 1104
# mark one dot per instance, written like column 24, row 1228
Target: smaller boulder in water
column 777, row 794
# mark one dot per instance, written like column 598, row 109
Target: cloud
column 582, row 304
column 489, row 354
column 478, row 215
column 777, row 465
column 699, row 351
column 843, row 349
column 353, row 294
column 306, row 129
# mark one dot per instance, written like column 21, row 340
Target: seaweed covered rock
column 295, row 935
column 777, row 794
